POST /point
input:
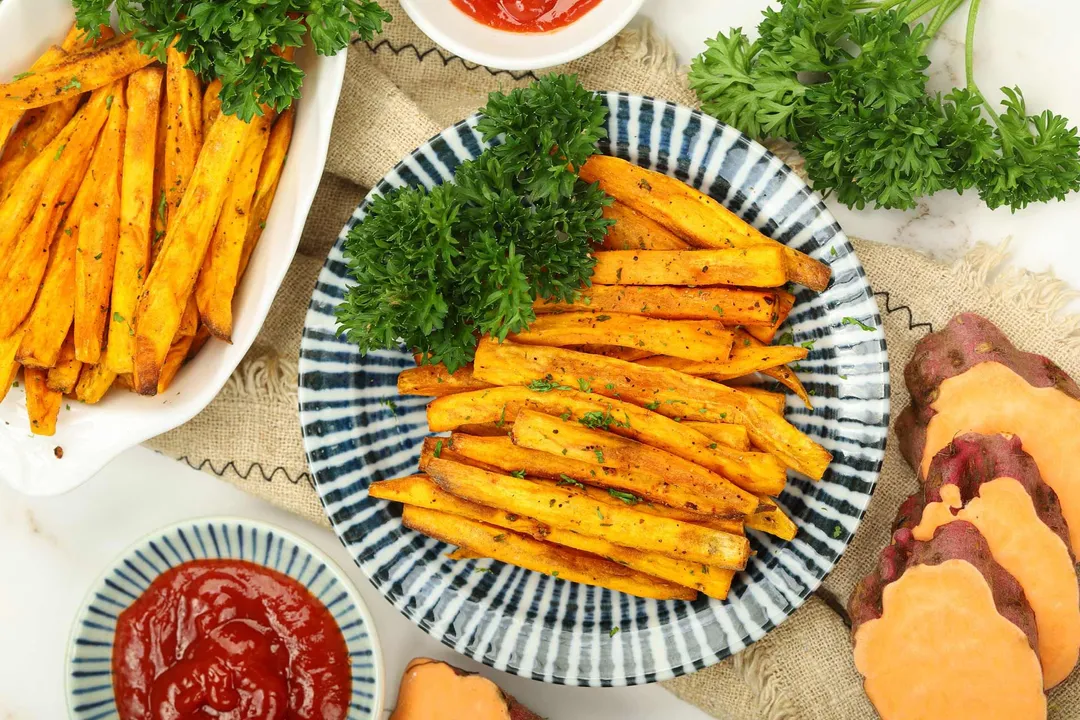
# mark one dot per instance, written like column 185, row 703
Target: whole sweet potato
column 433, row 690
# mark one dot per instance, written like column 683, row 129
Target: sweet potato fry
column 656, row 474
column 774, row 401
column 136, row 207
column 94, row 382
column 189, row 321
column 21, row 281
column 730, row 435
column 211, row 105
column 42, row 404
column 9, row 366
column 573, row 510
column 672, row 393
column 277, row 151
column 99, row 233
column 744, row 360
column 753, row 267
column 634, row 231
column 169, row 286
column 785, row 301
column 622, row 353
column 220, row 272
column 437, row 381
column 732, row 306
column 183, row 130
column 197, row 342
column 692, row 215
column 782, row 373
column 703, row 340
column 160, row 208
column 78, row 74
column 176, row 358
column 526, row 552
column 626, row 482
column 421, row 491
column 753, row 471
column 63, row 376
column 773, row 522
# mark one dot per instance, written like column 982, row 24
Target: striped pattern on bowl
column 89, row 662
column 358, row 430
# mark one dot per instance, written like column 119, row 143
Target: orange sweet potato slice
column 970, row 378
column 433, row 690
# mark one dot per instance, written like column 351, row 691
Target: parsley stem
column 920, row 8
column 943, row 13
column 969, row 69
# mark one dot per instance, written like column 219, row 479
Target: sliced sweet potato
column 526, row 552
column 94, row 382
column 634, row 231
column 668, row 392
column 622, row 353
column 744, row 360
column 941, row 630
column 437, row 381
column 693, row 215
column 433, row 690
column 968, row 377
column 753, row 471
column 705, row 341
column 183, row 130
column 42, row 403
column 9, row 366
column 761, row 267
column 732, row 306
column 781, row 373
column 989, row 481
column 63, row 376
column 273, row 165
column 766, row 333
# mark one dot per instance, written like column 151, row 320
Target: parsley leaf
column 547, row 384
column 624, row 496
column 567, row 480
column 858, row 322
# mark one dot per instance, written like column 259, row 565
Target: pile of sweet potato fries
column 603, row 445
column 130, row 208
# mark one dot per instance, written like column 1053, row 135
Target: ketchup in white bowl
column 526, row 15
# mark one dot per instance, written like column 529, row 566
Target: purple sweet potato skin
column 971, row 460
column 958, row 540
column 967, row 340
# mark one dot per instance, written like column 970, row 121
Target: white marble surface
column 52, row 548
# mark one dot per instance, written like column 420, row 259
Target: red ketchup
column 526, row 15
column 228, row 639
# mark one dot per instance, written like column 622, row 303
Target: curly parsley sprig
column 846, row 81
column 235, row 40
column 438, row 268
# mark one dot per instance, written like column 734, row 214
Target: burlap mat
column 401, row 90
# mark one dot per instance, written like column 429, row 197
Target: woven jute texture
column 399, row 91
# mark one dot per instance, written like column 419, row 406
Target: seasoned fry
column 94, row 382
column 628, row 354
column 526, row 552
column 78, row 74
column 183, row 130
column 42, row 404
column 176, row 358
column 136, row 207
column 504, row 455
column 160, row 210
column 704, row 340
column 675, row 394
column 732, row 306
column 730, row 435
column 68, row 157
column 655, row 474
column 197, row 342
column 220, row 272
column 95, row 255
column 421, row 491
column 744, row 360
column 782, row 374
column 172, row 279
column 63, row 376
column 573, row 510
column 753, row 267
column 9, row 367
column 773, row 522
column 752, row 471
column 634, row 231
column 692, row 215
column 785, row 301
column 189, row 321
column 774, row 401
column 211, row 105
column 277, row 151
column 436, row 381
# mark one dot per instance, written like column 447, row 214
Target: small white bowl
column 92, row 435
column 470, row 39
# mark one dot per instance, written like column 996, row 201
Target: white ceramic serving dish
column 459, row 33
column 91, row 436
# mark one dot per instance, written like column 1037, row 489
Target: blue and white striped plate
column 89, row 661
column 358, row 430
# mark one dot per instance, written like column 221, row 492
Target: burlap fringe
column 644, row 45
column 263, row 376
column 761, row 675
